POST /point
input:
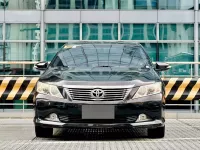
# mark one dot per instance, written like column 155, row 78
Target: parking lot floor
column 18, row 134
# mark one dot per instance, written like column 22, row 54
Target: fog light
column 52, row 117
column 142, row 117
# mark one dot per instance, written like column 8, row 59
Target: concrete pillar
column 196, row 107
column 196, row 44
column 119, row 31
column 42, row 31
column 81, row 31
column 100, row 31
column 196, row 47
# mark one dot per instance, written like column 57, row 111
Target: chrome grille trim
column 111, row 94
column 86, row 86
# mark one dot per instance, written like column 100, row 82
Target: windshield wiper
column 60, row 68
column 105, row 66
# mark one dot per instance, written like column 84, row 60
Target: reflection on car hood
column 61, row 78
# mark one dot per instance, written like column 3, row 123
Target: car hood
column 98, row 78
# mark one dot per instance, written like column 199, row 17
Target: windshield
column 105, row 57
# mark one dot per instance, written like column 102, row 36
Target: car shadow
column 98, row 134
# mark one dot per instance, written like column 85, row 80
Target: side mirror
column 160, row 66
column 41, row 66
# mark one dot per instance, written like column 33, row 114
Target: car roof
column 102, row 42
column 70, row 45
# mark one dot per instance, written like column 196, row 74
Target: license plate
column 98, row 112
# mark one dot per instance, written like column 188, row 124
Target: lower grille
column 78, row 119
column 69, row 118
column 63, row 118
column 81, row 94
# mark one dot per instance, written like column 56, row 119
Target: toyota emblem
column 97, row 93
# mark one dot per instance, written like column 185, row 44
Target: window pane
column 1, row 57
column 22, row 31
column 64, row 4
column 51, row 49
column 1, row 51
column 18, row 69
column 63, row 32
column 176, row 32
column 1, row 33
column 100, row 4
column 177, row 53
column 150, row 49
column 1, row 5
column 138, row 4
column 176, row 4
column 22, row 51
column 180, row 70
column 100, row 31
column 199, row 32
column 1, row 70
column 138, row 32
column 23, row 4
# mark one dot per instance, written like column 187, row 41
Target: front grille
column 114, row 94
column 78, row 119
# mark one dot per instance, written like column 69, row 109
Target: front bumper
column 52, row 124
column 126, row 113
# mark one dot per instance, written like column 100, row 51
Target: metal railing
column 24, row 63
column 18, row 62
column 176, row 112
column 23, row 105
column 163, row 75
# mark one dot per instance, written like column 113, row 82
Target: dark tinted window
column 98, row 55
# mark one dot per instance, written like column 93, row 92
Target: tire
column 43, row 132
column 157, row 132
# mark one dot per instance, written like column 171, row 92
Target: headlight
column 148, row 90
column 48, row 89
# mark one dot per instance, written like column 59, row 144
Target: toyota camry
column 100, row 85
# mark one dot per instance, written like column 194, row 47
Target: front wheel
column 158, row 132
column 43, row 132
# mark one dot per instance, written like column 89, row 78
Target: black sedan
column 100, row 85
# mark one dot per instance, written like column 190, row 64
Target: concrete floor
column 18, row 134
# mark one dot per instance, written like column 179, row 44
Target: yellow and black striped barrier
column 187, row 89
column 21, row 88
column 17, row 88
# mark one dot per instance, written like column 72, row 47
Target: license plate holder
column 98, row 112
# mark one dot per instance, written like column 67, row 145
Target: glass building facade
column 34, row 30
